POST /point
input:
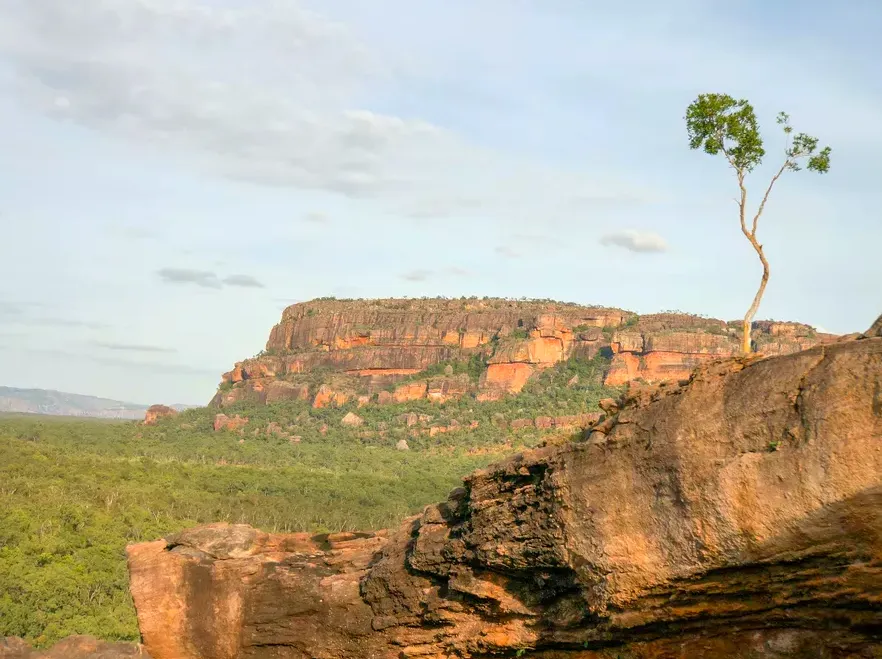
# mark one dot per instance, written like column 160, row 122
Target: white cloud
column 267, row 95
column 635, row 241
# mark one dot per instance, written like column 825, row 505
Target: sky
column 173, row 173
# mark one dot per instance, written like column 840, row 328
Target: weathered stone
column 410, row 391
column 156, row 412
column 223, row 422
column 352, row 420
column 281, row 390
column 448, row 387
column 875, row 329
column 326, row 396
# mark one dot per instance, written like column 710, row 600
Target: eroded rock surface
column 738, row 515
column 156, row 412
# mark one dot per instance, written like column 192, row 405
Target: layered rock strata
column 736, row 515
column 325, row 351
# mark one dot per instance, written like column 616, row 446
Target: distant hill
column 59, row 403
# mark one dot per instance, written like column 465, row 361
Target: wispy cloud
column 417, row 275
column 507, row 251
column 635, row 241
column 203, row 278
column 148, row 366
column 132, row 347
column 49, row 321
column 424, row 274
column 23, row 314
column 315, row 217
column 242, row 281
column 207, row 278
column 11, row 309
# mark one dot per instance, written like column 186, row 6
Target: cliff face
column 736, row 515
column 367, row 345
column 663, row 347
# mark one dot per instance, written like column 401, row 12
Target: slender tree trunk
column 748, row 319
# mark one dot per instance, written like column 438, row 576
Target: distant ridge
column 59, row 403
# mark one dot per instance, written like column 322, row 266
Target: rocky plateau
column 333, row 351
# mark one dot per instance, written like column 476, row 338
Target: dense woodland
column 74, row 492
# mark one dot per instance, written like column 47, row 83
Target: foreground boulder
column 74, row 647
column 738, row 515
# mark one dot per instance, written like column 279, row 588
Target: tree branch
column 742, row 205
column 762, row 205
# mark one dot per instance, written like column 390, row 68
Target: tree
column 717, row 123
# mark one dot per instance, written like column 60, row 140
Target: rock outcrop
column 373, row 344
column 736, row 515
column 223, row 422
column 875, row 329
column 74, row 647
column 668, row 347
column 156, row 412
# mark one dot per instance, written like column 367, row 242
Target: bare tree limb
column 766, row 198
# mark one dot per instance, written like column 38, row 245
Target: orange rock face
column 382, row 341
column 224, row 422
column 156, row 412
column 444, row 388
column 409, row 391
column 326, row 397
column 738, row 515
column 668, row 347
column 506, row 378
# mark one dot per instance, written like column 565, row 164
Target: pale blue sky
column 173, row 172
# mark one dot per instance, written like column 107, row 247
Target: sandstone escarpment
column 372, row 344
column 736, row 515
column 330, row 351
column 667, row 347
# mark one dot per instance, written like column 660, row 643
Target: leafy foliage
column 718, row 123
